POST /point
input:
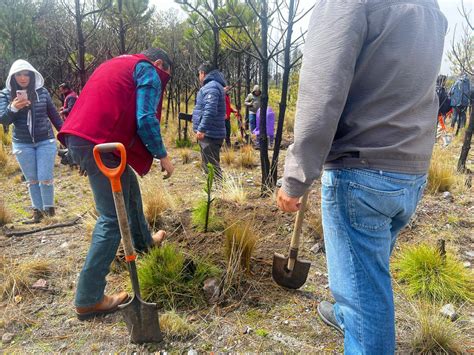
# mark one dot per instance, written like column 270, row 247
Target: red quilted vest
column 105, row 111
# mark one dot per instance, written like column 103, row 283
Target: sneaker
column 326, row 312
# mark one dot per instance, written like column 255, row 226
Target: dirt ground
column 259, row 317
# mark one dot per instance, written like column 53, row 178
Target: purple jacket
column 270, row 123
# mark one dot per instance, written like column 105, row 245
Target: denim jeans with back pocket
column 363, row 211
column 106, row 234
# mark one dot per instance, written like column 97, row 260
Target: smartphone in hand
column 22, row 95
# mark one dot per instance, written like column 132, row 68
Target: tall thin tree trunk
column 467, row 142
column 81, row 45
column 284, row 95
column 263, row 141
column 122, row 32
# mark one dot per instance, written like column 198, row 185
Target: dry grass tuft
column 315, row 221
column 185, row 155
column 442, row 174
column 233, row 188
column 156, row 200
column 5, row 217
column 432, row 333
column 16, row 279
column 175, row 326
column 240, row 240
column 228, row 156
column 246, row 158
column 5, row 138
column 3, row 156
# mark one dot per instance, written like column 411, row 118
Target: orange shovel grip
column 113, row 174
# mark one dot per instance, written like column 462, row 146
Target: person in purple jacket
column 270, row 127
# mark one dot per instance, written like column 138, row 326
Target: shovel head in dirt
column 142, row 321
column 292, row 279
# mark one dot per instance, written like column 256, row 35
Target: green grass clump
column 433, row 333
column 175, row 326
column 171, row 279
column 183, row 143
column 429, row 275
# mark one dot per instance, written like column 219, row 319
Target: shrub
column 433, row 333
column 246, row 159
column 240, row 240
column 172, row 280
column 442, row 172
column 4, row 215
column 429, row 275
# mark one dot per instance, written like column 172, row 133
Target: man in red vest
column 70, row 98
column 121, row 102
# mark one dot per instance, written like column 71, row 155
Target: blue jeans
column 252, row 121
column 106, row 234
column 37, row 164
column 363, row 211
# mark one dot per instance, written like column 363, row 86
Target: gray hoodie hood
column 20, row 65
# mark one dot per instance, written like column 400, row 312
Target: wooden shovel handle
column 114, row 174
column 295, row 239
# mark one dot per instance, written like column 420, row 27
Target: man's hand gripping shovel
column 141, row 317
column 292, row 272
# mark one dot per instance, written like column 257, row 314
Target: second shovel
column 290, row 272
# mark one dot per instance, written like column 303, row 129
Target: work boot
column 326, row 312
column 109, row 304
column 35, row 218
column 49, row 212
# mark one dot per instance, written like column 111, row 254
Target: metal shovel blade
column 142, row 321
column 292, row 279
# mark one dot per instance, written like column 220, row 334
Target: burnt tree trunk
column 263, row 141
column 284, row 95
column 467, row 142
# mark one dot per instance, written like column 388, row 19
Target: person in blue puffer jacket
column 209, row 116
column 28, row 105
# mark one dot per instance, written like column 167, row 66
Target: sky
column 448, row 7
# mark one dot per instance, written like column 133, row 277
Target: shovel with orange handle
column 141, row 317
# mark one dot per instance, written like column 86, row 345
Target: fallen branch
column 18, row 233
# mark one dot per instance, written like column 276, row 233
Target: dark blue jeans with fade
column 106, row 234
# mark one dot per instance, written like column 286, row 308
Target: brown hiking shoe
column 109, row 304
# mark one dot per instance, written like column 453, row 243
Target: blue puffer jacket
column 43, row 113
column 209, row 112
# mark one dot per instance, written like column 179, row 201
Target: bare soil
column 279, row 320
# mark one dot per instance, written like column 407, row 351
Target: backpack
column 460, row 92
column 444, row 103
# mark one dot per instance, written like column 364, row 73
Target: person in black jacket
column 28, row 105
